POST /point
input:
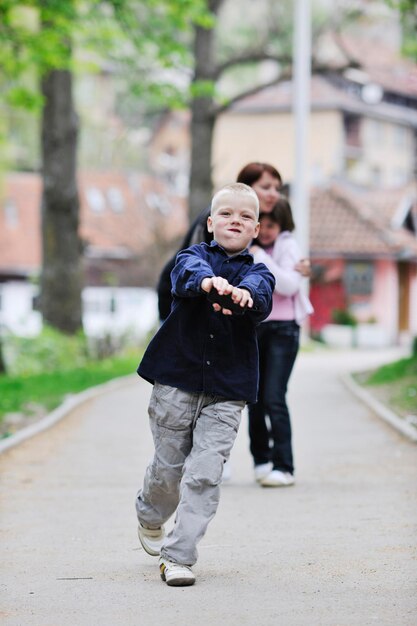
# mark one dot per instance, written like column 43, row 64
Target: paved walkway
column 338, row 549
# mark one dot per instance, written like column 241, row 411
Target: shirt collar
column 245, row 253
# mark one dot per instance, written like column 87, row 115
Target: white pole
column 301, row 111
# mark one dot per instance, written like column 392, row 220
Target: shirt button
column 208, row 362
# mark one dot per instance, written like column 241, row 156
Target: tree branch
column 250, row 92
column 249, row 57
column 316, row 68
column 338, row 39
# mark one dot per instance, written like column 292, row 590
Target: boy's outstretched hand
column 226, row 298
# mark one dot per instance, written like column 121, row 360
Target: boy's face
column 234, row 222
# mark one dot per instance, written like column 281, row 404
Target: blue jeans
column 278, row 346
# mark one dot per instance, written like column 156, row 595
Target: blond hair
column 237, row 189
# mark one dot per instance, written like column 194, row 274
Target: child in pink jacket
column 278, row 340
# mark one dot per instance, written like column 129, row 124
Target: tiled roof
column 324, row 96
column 280, row 96
column 344, row 221
column 350, row 223
column 379, row 62
column 383, row 64
column 133, row 208
column 119, row 214
column 20, row 242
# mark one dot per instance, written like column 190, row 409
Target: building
column 359, row 130
column 128, row 225
column 363, row 247
column 362, row 169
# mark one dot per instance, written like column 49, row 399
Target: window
column 36, row 302
column 358, row 278
column 11, row 213
column 375, row 175
column 158, row 202
column 352, row 125
column 377, row 131
column 95, row 199
column 115, row 199
column 400, row 136
column 399, row 177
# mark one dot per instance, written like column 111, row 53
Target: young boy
column 203, row 363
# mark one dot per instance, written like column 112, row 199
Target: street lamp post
column 301, row 111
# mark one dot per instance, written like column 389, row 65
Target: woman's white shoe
column 276, row 478
column 262, row 471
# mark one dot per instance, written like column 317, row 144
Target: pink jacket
column 281, row 262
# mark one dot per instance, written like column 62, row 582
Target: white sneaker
column 227, row 472
column 174, row 574
column 290, row 479
column 276, row 478
column 261, row 471
column 152, row 539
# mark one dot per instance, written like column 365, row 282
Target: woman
column 265, row 180
column 278, row 341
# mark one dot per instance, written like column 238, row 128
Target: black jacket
column 197, row 233
column 199, row 350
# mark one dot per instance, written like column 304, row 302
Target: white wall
column 106, row 310
column 16, row 309
column 113, row 311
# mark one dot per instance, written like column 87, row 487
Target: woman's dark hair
column 281, row 214
column 253, row 172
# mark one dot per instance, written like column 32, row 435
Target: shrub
column 48, row 352
column 343, row 317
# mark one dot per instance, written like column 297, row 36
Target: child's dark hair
column 281, row 214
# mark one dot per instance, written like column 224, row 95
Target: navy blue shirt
column 199, row 350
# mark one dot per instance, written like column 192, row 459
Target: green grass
column 395, row 384
column 20, row 393
column 394, row 371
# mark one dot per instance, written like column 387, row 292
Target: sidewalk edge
column 380, row 409
column 71, row 403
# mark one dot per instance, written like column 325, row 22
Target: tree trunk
column 202, row 120
column 2, row 361
column 61, row 280
column 202, row 126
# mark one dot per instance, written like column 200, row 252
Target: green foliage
column 43, row 370
column 396, row 385
column 264, row 26
column 394, row 371
column 202, row 89
column 408, row 12
column 24, row 98
column 48, row 352
column 19, row 393
column 343, row 317
column 141, row 38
